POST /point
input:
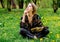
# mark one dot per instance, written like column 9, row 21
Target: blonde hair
column 34, row 8
column 33, row 12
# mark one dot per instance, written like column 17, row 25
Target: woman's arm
column 24, row 15
column 23, row 23
column 38, row 21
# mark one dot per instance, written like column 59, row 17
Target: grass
column 10, row 25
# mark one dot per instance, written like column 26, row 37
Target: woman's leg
column 43, row 33
column 25, row 33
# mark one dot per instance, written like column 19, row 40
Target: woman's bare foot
column 35, row 37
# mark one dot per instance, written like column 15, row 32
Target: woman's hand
column 23, row 20
column 25, row 13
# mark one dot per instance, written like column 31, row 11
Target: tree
column 58, row 1
column 2, row 3
column 34, row 1
column 55, row 6
column 27, row 1
column 9, row 5
column 13, row 4
column 20, row 3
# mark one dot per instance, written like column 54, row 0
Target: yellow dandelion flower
column 53, row 41
column 41, row 17
column 57, row 35
column 51, row 32
column 41, row 39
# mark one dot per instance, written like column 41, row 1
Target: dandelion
column 41, row 39
column 42, row 17
column 51, row 32
column 57, row 35
column 53, row 41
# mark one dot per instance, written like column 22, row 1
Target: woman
column 31, row 25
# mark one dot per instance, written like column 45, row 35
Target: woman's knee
column 46, row 31
column 22, row 31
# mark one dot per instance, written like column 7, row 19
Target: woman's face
column 29, row 8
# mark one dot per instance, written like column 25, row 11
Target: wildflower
column 51, row 32
column 53, row 41
column 57, row 35
column 41, row 39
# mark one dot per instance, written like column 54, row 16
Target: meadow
column 10, row 25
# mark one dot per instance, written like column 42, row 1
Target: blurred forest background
column 22, row 4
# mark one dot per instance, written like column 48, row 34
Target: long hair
column 34, row 8
column 33, row 12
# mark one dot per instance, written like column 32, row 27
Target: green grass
column 9, row 25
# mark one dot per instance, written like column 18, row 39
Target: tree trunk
column 55, row 6
column 27, row 2
column 20, row 3
column 2, row 3
column 9, row 5
column 34, row 1
column 58, row 2
column 13, row 4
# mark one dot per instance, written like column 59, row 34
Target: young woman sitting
column 31, row 25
